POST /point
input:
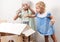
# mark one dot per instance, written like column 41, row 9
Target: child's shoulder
column 47, row 13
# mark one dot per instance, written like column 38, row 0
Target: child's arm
column 30, row 16
column 16, row 17
column 33, row 12
column 52, row 19
column 17, row 14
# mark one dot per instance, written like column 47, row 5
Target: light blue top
column 43, row 24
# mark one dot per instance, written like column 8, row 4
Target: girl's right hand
column 28, row 6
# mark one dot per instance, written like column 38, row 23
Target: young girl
column 44, row 22
column 21, row 13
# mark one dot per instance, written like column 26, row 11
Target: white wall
column 8, row 10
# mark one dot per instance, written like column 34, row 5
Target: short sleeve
column 48, row 14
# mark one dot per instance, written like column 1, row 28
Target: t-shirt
column 23, row 13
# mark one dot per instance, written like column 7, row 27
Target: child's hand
column 52, row 21
column 28, row 6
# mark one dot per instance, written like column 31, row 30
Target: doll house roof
column 16, row 28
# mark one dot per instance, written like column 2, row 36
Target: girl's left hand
column 52, row 21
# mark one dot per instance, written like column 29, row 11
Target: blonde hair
column 41, row 3
column 27, row 2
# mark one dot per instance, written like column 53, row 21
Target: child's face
column 25, row 6
column 40, row 8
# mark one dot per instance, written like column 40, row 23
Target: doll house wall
column 8, row 10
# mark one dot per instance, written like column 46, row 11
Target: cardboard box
column 11, row 38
